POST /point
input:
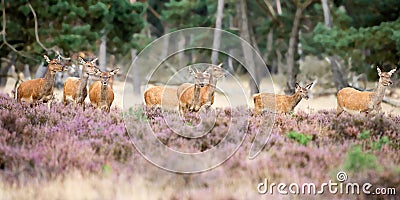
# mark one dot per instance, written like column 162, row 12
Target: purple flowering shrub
column 38, row 143
column 41, row 142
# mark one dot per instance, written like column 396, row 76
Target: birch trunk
column 217, row 32
column 103, row 53
column 248, row 55
column 338, row 79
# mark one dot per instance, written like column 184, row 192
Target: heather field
column 68, row 153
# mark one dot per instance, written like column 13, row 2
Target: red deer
column 163, row 96
column 100, row 93
column 41, row 89
column 189, row 94
column 75, row 89
column 349, row 99
column 279, row 103
column 216, row 72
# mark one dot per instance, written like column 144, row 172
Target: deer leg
column 339, row 111
column 49, row 103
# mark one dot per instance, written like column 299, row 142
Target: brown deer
column 75, row 89
column 189, row 94
column 216, row 72
column 279, row 103
column 167, row 96
column 349, row 99
column 100, row 93
column 162, row 96
column 41, row 89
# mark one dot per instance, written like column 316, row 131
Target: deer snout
column 201, row 84
column 390, row 82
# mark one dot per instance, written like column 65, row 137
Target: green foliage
column 299, row 137
column 72, row 26
column 186, row 13
column 356, row 160
column 375, row 145
column 365, row 15
column 366, row 134
column 138, row 114
column 378, row 145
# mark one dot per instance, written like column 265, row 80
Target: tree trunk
column 181, row 54
column 4, row 71
column 248, row 55
column 230, row 61
column 292, row 66
column 279, row 7
column 41, row 71
column 270, row 40
column 103, row 53
column 327, row 14
column 217, row 32
column 27, row 72
column 338, row 79
column 164, row 52
column 136, row 75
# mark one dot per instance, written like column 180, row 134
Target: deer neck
column 196, row 94
column 49, row 80
column 294, row 100
column 83, row 83
column 379, row 93
column 211, row 88
column 104, row 94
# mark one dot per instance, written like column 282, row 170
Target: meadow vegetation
column 67, row 152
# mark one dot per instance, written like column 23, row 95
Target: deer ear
column 113, row 72
column 81, row 60
column 379, row 71
column 297, row 86
column 192, row 71
column 98, row 72
column 46, row 58
column 309, row 86
column 93, row 62
column 391, row 72
column 58, row 57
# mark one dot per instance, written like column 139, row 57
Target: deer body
column 279, row 103
column 163, row 96
column 351, row 100
column 101, row 94
column 190, row 95
column 75, row 89
column 40, row 89
column 193, row 96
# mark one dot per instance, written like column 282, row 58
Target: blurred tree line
column 352, row 35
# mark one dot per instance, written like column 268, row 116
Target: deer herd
column 40, row 90
column 188, row 97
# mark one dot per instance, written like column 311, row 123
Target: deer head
column 105, row 76
column 90, row 66
column 55, row 64
column 303, row 91
column 216, row 71
column 201, row 78
column 384, row 77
